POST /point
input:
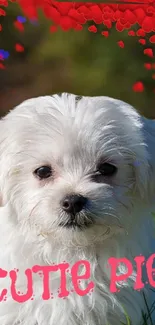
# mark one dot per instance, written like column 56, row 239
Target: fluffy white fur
column 72, row 135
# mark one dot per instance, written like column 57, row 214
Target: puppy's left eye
column 106, row 169
column 43, row 172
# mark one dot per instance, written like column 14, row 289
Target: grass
column 147, row 318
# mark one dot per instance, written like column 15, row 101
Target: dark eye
column 43, row 172
column 106, row 169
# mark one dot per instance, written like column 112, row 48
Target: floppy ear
column 2, row 149
column 148, row 131
column 5, row 141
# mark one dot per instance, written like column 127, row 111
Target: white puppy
column 77, row 178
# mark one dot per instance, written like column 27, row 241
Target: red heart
column 148, row 66
column 138, row 87
column 142, row 41
column 131, row 33
column 105, row 33
column 140, row 15
column 140, row 32
column 92, row 29
column 19, row 47
column 121, row 44
column 147, row 24
column 130, row 17
column 149, row 52
column 152, row 39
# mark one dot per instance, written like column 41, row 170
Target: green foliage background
column 81, row 62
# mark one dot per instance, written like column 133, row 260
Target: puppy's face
column 72, row 165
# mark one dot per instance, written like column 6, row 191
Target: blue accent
column 21, row 19
column 4, row 54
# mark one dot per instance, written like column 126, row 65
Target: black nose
column 74, row 203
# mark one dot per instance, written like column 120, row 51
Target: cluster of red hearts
column 74, row 15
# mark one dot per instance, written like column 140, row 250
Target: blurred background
column 78, row 62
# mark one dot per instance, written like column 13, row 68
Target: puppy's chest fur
column 100, row 307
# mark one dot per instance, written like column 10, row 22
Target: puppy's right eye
column 43, row 172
